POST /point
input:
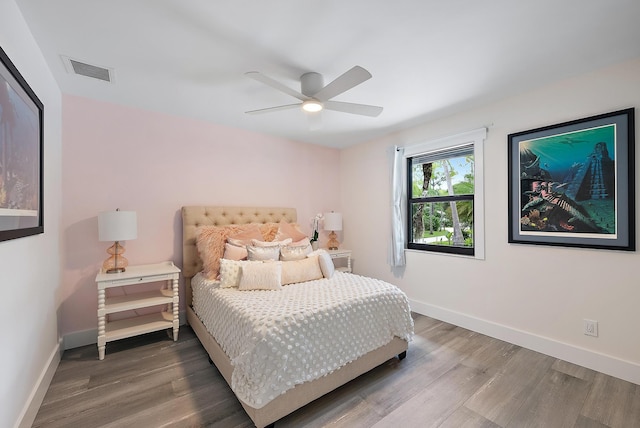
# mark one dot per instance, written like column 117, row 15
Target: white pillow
column 290, row 252
column 230, row 272
column 258, row 243
column 263, row 253
column 303, row 270
column 325, row 261
column 261, row 276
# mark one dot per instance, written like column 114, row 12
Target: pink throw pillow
column 289, row 230
column 233, row 252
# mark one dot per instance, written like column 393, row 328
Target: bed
column 196, row 217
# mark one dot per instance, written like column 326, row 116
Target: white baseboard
column 80, row 338
column 90, row 337
column 606, row 364
column 39, row 390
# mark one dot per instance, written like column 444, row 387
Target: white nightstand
column 168, row 295
column 341, row 254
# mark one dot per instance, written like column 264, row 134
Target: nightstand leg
column 101, row 325
column 174, row 305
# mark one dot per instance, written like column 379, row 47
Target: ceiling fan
column 316, row 97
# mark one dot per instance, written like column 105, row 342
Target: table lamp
column 333, row 223
column 116, row 226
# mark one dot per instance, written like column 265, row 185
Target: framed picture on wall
column 21, row 155
column 572, row 184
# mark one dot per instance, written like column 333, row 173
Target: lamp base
column 333, row 241
column 116, row 263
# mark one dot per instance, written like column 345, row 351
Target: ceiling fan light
column 312, row 106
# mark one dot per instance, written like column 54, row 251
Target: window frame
column 476, row 140
column 436, row 156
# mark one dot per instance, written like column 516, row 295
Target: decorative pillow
column 230, row 272
column 301, row 243
column 261, row 276
column 210, row 242
column 258, row 243
column 263, row 253
column 269, row 231
column 244, row 237
column 303, row 270
column 325, row 261
column 289, row 230
column 238, row 242
column 233, row 252
column 290, row 252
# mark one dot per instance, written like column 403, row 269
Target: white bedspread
column 278, row 339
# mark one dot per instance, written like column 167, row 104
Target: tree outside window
column 441, row 195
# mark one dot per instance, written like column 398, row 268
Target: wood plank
column 584, row 422
column 110, row 389
column 431, row 406
column 555, row 401
column 491, row 356
column 500, row 398
column 465, row 418
column 574, row 370
column 613, row 402
column 199, row 404
column 347, row 412
column 451, row 377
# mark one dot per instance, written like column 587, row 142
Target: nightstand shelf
column 341, row 254
column 138, row 300
column 121, row 329
column 166, row 296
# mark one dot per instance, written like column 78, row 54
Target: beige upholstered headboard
column 196, row 216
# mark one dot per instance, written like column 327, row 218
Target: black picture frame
column 21, row 155
column 573, row 184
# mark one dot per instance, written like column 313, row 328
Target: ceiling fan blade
column 271, row 109
column 343, row 83
column 361, row 109
column 275, row 84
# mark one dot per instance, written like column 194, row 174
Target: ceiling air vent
column 88, row 70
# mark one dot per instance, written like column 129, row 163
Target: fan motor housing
column 311, row 83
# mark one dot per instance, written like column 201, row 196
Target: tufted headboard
column 196, row 216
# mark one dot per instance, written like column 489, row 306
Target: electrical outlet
column 590, row 327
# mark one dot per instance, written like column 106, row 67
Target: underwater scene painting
column 19, row 152
column 568, row 183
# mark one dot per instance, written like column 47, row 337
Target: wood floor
column 451, row 377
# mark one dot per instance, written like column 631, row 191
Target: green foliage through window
column 441, row 201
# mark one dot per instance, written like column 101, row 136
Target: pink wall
column 120, row 157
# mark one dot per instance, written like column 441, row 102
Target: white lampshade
column 332, row 221
column 117, row 225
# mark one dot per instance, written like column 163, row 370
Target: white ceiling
column 428, row 58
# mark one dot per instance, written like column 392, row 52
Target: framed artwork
column 572, row 184
column 21, row 157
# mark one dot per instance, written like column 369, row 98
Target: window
column 444, row 187
column 440, row 196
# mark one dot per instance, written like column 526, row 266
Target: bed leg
column 210, row 360
column 402, row 355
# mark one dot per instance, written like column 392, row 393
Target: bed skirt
column 301, row 394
